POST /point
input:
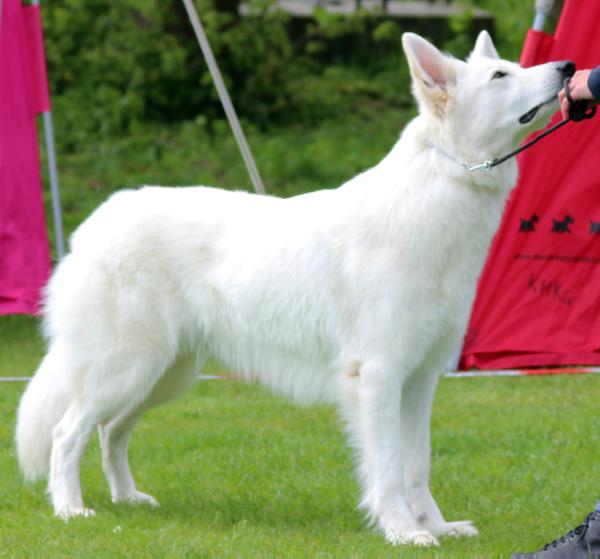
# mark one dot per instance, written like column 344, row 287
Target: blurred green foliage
column 117, row 65
column 513, row 19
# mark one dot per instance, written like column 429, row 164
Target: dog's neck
column 470, row 167
column 473, row 167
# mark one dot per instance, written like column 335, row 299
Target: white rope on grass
column 457, row 374
column 525, row 372
column 25, row 379
column 476, row 374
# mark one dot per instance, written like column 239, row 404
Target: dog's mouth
column 530, row 115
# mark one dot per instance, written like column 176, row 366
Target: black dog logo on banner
column 562, row 226
column 528, row 225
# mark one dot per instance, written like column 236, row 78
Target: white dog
column 356, row 296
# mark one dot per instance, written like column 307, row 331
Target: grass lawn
column 239, row 472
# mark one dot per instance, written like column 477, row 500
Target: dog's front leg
column 417, row 402
column 379, row 400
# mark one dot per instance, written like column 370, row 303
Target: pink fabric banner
column 24, row 251
column 37, row 77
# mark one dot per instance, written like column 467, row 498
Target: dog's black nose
column 567, row 68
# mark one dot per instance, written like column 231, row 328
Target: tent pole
column 542, row 11
column 224, row 97
column 538, row 22
column 53, row 177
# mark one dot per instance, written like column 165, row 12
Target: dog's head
column 486, row 101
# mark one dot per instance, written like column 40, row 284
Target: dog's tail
column 42, row 406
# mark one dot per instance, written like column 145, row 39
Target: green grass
column 240, row 473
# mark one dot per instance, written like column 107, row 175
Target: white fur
column 355, row 296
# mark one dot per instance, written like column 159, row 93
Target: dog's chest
column 446, row 248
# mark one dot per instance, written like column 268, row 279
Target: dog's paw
column 417, row 537
column 399, row 528
column 68, row 513
column 458, row 529
column 137, row 498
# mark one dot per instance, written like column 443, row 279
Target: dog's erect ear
column 433, row 73
column 426, row 62
column 484, row 47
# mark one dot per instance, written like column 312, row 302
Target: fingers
column 578, row 86
column 564, row 107
column 579, row 91
column 563, row 104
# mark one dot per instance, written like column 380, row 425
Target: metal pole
column 224, row 97
column 538, row 22
column 542, row 11
column 53, row 177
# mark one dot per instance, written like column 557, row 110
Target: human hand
column 579, row 91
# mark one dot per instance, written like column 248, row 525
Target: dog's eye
column 499, row 74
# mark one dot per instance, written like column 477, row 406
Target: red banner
column 24, row 252
column 538, row 300
column 536, row 49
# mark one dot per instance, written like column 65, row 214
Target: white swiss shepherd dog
column 356, row 296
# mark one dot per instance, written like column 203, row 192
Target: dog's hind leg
column 116, row 433
column 114, row 442
column 417, row 401
column 69, row 439
column 106, row 387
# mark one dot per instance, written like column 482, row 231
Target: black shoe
column 581, row 543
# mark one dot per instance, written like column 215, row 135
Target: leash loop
column 578, row 110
